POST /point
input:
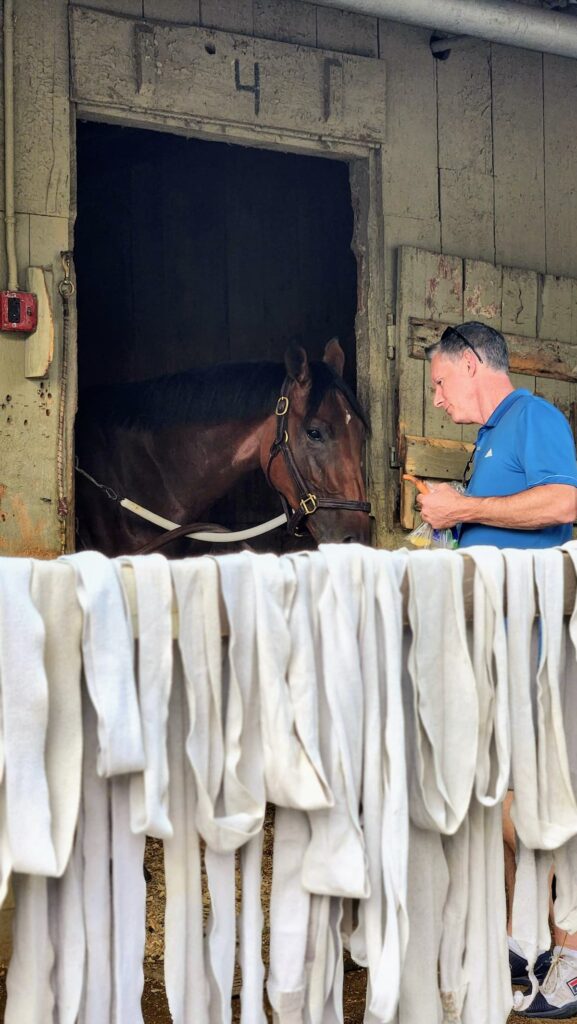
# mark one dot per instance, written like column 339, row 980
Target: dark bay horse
column 178, row 443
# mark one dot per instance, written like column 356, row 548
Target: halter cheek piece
column 308, row 502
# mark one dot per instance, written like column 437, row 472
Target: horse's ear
column 297, row 364
column 334, row 356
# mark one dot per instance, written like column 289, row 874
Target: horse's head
column 321, row 442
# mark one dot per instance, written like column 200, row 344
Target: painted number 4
column 252, row 87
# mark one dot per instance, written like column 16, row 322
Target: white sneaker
column 557, row 995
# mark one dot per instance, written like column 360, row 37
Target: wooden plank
column 482, row 293
column 409, row 516
column 444, row 301
column 518, row 157
column 519, row 309
column 409, row 158
column 289, row 21
column 425, row 279
column 519, row 302
column 561, row 393
column 410, row 165
column 436, row 458
column 555, row 307
column 48, row 237
column 521, row 380
column 482, row 301
column 376, row 374
column 39, row 346
column 464, row 84
column 347, row 32
column 412, row 280
column 532, row 356
column 560, row 104
column 467, row 218
column 405, row 231
column 133, row 7
column 219, row 76
column 227, row 15
column 41, row 86
column 185, row 12
column 466, row 155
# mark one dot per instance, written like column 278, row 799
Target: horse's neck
column 197, row 464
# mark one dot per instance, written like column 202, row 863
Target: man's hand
column 442, row 507
column 534, row 509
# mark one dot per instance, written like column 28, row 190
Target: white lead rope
column 208, row 536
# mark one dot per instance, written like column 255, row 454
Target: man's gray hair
column 486, row 343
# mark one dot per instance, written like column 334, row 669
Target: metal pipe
column 499, row 21
column 9, row 218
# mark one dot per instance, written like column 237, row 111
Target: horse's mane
column 216, row 394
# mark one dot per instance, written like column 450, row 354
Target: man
column 522, row 494
column 523, row 488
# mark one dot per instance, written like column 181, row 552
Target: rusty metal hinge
column 394, row 457
column 391, row 339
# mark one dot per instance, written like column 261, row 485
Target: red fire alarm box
column 18, row 311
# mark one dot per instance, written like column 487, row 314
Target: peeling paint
column 474, row 305
column 33, row 533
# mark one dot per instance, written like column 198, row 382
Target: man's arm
column 545, row 505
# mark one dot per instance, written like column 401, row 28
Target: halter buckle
column 282, row 406
column 309, row 504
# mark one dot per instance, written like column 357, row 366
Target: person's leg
column 556, row 972
column 509, row 841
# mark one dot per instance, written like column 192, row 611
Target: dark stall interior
column 190, row 253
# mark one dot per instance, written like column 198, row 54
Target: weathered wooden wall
column 479, row 159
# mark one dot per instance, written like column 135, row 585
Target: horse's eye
column 314, row 434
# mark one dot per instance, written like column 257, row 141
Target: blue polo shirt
column 524, row 443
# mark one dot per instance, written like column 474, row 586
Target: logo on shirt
column 489, row 454
column 573, row 985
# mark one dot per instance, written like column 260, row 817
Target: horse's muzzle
column 332, row 526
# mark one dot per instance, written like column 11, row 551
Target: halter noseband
column 308, row 502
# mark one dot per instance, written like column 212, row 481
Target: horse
column 178, row 443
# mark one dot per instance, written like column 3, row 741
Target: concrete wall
column 479, row 161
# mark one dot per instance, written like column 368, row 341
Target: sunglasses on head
column 449, row 331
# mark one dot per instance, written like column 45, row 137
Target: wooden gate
column 538, row 316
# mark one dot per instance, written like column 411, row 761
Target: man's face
column 452, row 387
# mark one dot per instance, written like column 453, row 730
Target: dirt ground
column 155, row 1007
column 154, row 1003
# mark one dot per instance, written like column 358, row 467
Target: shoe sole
column 568, row 1012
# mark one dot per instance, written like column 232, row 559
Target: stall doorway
column 191, row 252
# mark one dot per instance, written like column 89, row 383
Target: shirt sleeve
column 545, row 446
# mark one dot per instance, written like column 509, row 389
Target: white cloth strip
column 335, row 861
column 24, row 687
column 107, row 647
column 149, row 789
column 184, row 958
column 291, row 776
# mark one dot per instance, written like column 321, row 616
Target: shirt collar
column 505, row 405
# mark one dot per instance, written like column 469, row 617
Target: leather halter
column 308, row 502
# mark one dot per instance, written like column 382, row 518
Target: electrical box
column 18, row 311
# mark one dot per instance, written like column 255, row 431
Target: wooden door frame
column 364, row 160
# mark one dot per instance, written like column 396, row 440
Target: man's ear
column 297, row 364
column 334, row 356
column 471, row 363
